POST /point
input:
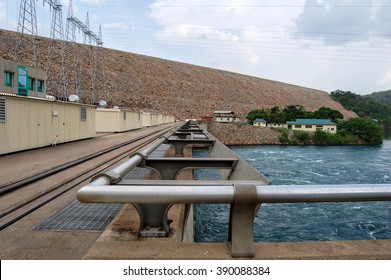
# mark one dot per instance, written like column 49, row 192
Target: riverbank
column 232, row 134
column 244, row 135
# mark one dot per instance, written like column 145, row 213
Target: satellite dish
column 102, row 104
column 73, row 98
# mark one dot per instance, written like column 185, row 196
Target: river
column 285, row 165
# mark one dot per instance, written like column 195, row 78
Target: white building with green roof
column 313, row 125
column 259, row 122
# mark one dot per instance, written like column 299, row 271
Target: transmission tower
column 70, row 36
column 70, row 33
column 27, row 18
column 101, row 75
column 56, row 31
column 27, row 24
column 57, row 83
column 89, row 56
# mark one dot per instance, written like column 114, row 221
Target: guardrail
column 153, row 198
column 243, row 196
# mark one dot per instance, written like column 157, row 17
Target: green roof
column 259, row 120
column 312, row 121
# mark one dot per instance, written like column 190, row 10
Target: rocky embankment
column 143, row 83
column 244, row 134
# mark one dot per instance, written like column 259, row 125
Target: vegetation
column 291, row 113
column 364, row 106
column 366, row 130
column 356, row 131
column 382, row 97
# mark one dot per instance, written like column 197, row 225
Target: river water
column 285, row 165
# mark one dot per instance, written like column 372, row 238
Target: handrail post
column 241, row 221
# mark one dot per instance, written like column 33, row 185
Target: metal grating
column 83, row 113
column 138, row 173
column 84, row 217
column 160, row 151
column 94, row 217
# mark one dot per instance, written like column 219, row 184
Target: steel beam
column 168, row 168
column 180, row 144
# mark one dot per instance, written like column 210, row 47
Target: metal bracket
column 153, row 219
column 241, row 221
column 111, row 175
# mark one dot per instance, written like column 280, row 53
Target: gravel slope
column 144, row 83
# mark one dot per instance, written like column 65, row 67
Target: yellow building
column 225, row 117
column 30, row 119
column 29, row 122
column 259, row 122
column 313, row 125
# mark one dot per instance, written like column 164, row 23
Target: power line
column 28, row 24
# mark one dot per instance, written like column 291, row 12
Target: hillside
column 383, row 97
column 145, row 83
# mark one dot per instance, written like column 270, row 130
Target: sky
column 322, row 44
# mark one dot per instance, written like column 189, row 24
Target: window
column 2, row 110
column 8, row 79
column 319, row 127
column 124, row 116
column 308, row 126
column 297, row 125
column 22, row 81
column 31, row 83
column 83, row 114
column 40, row 86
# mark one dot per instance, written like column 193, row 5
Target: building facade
column 22, row 80
column 313, row 125
column 225, row 117
column 259, row 122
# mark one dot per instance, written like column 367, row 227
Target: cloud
column 343, row 21
column 325, row 44
column 229, row 30
column 385, row 79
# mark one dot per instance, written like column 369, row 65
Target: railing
column 243, row 196
column 153, row 198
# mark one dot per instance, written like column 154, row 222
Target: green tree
column 257, row 113
column 363, row 106
column 328, row 113
column 365, row 129
column 293, row 112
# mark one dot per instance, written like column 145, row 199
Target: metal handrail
column 153, row 198
column 243, row 196
column 114, row 175
column 222, row 192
